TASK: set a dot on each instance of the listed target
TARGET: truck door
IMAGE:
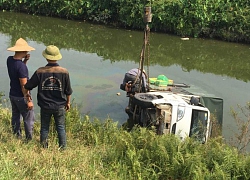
(199, 125)
(181, 120)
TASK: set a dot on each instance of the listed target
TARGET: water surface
(98, 56)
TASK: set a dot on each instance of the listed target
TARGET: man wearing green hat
(53, 95)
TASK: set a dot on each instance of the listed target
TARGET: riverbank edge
(103, 150)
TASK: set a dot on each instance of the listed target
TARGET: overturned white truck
(176, 111)
(168, 109)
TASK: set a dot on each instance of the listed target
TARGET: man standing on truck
(132, 84)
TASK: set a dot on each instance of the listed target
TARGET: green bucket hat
(52, 53)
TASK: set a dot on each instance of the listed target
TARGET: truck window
(198, 127)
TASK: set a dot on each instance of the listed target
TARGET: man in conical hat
(18, 74)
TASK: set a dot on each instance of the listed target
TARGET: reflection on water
(97, 58)
(103, 86)
(89, 86)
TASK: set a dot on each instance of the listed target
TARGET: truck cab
(169, 112)
(179, 116)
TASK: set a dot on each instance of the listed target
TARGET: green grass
(103, 150)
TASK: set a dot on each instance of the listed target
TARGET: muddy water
(98, 56)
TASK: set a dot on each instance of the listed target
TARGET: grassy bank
(102, 150)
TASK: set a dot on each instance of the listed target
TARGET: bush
(225, 20)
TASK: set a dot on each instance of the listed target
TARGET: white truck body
(173, 113)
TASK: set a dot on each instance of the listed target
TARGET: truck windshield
(198, 127)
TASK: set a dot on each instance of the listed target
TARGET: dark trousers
(19, 108)
(59, 117)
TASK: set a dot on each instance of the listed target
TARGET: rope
(148, 62)
(142, 57)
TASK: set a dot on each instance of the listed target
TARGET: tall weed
(241, 136)
(103, 150)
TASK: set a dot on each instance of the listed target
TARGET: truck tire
(144, 100)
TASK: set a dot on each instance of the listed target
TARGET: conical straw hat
(21, 45)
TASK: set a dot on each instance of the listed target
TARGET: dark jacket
(53, 86)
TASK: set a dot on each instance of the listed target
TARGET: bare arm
(67, 105)
(26, 93)
(26, 58)
(23, 81)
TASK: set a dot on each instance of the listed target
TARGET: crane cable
(145, 46)
(141, 64)
(147, 19)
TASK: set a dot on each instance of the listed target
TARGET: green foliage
(241, 136)
(113, 45)
(130, 13)
(226, 20)
(102, 150)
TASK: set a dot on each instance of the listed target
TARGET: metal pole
(147, 19)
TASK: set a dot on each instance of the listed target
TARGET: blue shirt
(16, 69)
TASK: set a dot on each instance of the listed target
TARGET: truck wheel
(144, 100)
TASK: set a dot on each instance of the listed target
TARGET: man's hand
(128, 87)
(67, 106)
(27, 95)
(26, 58)
(30, 105)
